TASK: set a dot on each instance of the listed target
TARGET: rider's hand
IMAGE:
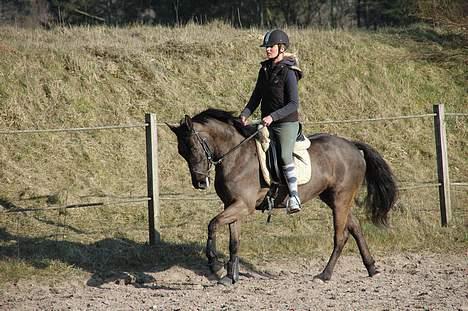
(267, 120)
(243, 120)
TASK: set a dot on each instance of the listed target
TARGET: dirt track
(407, 282)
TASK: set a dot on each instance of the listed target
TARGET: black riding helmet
(275, 37)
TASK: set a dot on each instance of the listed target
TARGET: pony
(215, 140)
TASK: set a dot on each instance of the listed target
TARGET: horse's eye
(183, 150)
(186, 148)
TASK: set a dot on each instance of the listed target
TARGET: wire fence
(142, 125)
(77, 205)
(210, 197)
(76, 129)
(372, 119)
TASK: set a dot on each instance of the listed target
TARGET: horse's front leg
(214, 264)
(232, 275)
(230, 215)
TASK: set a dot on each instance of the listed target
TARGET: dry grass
(76, 77)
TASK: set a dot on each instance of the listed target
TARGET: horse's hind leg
(341, 205)
(356, 232)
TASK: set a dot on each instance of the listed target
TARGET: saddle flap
(269, 166)
(276, 173)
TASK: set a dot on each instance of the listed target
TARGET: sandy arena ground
(407, 282)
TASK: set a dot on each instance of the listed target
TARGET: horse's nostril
(203, 184)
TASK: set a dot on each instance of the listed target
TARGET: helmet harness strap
(279, 51)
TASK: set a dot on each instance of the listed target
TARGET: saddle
(272, 173)
(268, 158)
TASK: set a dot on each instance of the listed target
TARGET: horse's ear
(173, 128)
(188, 122)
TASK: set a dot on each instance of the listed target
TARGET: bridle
(209, 154)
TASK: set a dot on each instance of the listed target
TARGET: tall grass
(92, 76)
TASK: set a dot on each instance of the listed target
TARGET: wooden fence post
(442, 164)
(153, 178)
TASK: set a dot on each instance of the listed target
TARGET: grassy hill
(87, 77)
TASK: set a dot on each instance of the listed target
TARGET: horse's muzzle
(202, 184)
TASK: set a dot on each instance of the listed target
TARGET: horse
(216, 140)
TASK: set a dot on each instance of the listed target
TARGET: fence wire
(417, 116)
(206, 197)
(77, 205)
(76, 129)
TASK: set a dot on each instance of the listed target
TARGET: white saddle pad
(302, 165)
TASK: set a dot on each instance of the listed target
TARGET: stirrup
(293, 205)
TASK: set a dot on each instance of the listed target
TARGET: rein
(212, 162)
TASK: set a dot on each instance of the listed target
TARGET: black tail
(382, 189)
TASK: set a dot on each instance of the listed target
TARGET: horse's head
(193, 147)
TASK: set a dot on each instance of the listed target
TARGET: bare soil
(407, 282)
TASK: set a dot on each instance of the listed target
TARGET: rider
(276, 89)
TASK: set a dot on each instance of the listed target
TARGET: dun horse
(214, 139)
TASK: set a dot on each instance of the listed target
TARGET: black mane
(225, 117)
(212, 113)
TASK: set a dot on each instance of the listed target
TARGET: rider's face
(272, 51)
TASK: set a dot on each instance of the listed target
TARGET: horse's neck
(225, 141)
(237, 168)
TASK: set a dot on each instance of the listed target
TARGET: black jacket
(276, 90)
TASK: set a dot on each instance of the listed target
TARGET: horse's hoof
(375, 273)
(217, 268)
(318, 280)
(372, 270)
(321, 278)
(226, 281)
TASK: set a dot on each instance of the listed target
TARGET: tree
(370, 14)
